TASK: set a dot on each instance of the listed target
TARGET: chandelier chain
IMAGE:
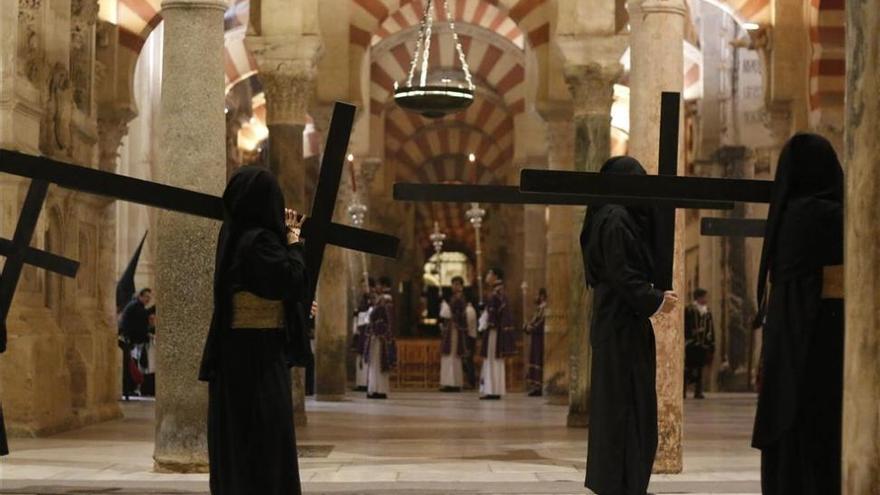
(458, 48)
(423, 77)
(415, 59)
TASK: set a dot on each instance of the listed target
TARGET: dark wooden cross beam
(666, 185)
(467, 193)
(319, 230)
(732, 227)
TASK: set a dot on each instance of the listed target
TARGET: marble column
(288, 91)
(332, 325)
(738, 162)
(288, 86)
(558, 262)
(192, 155)
(657, 31)
(861, 396)
(592, 90)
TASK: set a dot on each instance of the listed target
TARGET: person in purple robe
(535, 330)
(380, 351)
(498, 338)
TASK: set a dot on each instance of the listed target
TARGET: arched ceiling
(474, 12)
(531, 17)
(497, 66)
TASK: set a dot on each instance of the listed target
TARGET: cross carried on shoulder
(319, 229)
(666, 186)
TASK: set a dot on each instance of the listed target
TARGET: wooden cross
(666, 185)
(319, 229)
(614, 189)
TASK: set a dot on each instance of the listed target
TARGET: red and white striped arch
(529, 17)
(485, 129)
(828, 60)
(498, 69)
(474, 12)
(137, 19)
(756, 11)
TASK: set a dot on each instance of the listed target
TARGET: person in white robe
(453, 315)
(361, 324)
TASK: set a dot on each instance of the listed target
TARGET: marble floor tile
(413, 443)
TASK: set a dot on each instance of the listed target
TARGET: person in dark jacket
(798, 422)
(134, 331)
(257, 333)
(699, 341)
(619, 247)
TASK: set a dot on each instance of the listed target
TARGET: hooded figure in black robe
(618, 245)
(798, 423)
(257, 333)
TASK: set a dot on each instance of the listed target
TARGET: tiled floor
(414, 443)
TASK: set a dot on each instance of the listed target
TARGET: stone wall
(61, 368)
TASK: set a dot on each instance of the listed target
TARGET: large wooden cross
(319, 229)
(666, 186)
(555, 189)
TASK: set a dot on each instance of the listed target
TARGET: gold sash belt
(832, 282)
(252, 311)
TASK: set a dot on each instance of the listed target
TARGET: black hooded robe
(618, 262)
(799, 418)
(251, 439)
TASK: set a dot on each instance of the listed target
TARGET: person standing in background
(496, 324)
(361, 325)
(699, 341)
(470, 348)
(380, 351)
(535, 329)
(453, 338)
(134, 326)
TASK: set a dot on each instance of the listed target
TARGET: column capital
(287, 95)
(112, 127)
(592, 87)
(646, 7)
(288, 69)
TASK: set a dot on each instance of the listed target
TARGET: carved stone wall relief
(83, 16)
(31, 51)
(56, 136)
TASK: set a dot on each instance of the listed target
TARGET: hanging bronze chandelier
(437, 95)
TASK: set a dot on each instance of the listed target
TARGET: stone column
(861, 421)
(288, 83)
(332, 325)
(592, 89)
(558, 263)
(738, 162)
(657, 31)
(288, 91)
(193, 155)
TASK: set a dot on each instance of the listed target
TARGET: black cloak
(618, 245)
(251, 438)
(253, 207)
(798, 422)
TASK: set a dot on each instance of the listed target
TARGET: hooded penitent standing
(618, 246)
(257, 333)
(798, 423)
